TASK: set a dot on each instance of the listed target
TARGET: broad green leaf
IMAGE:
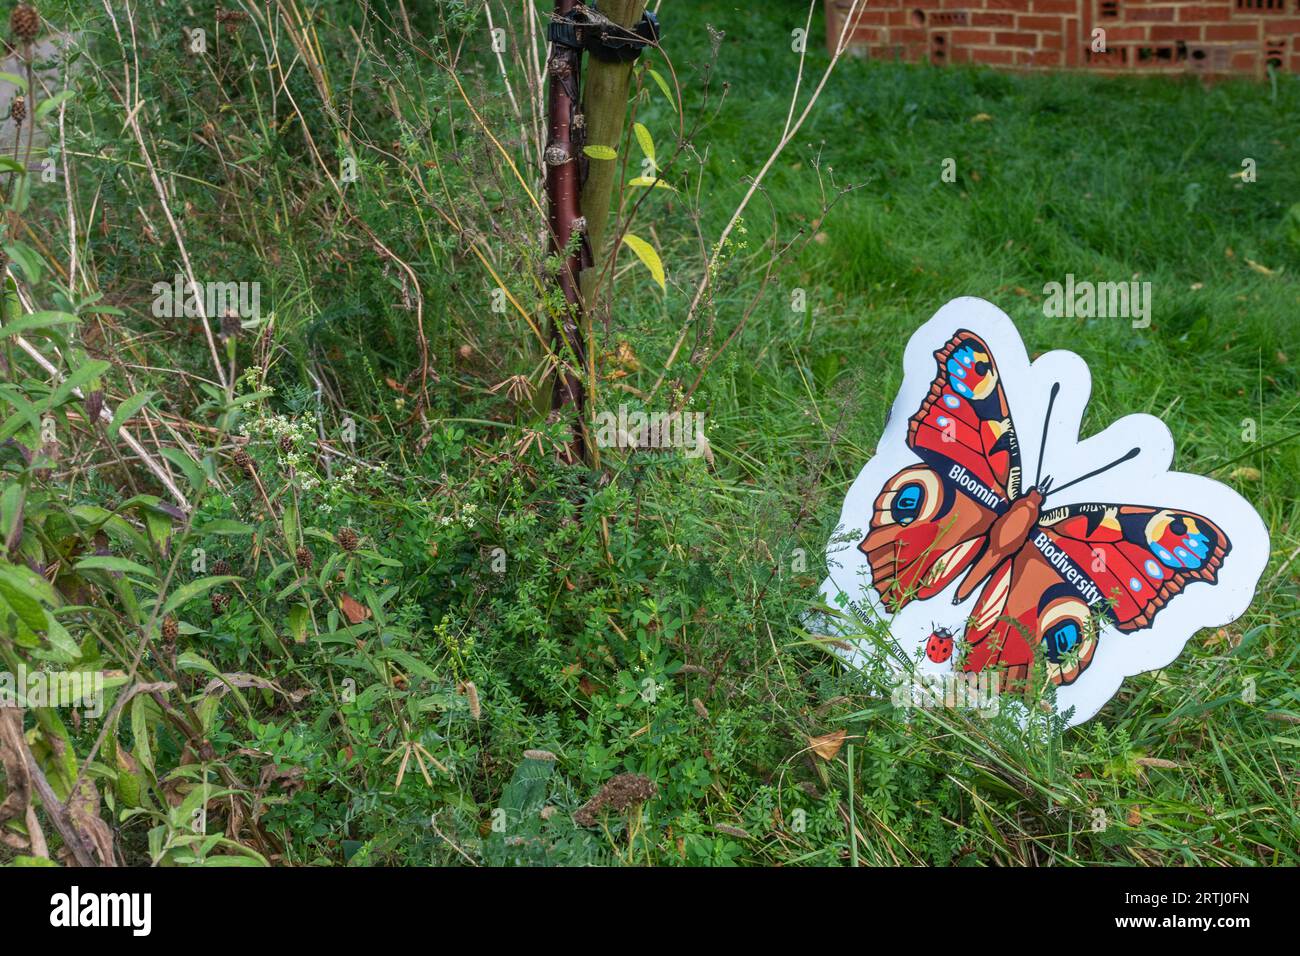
(80, 376)
(646, 253)
(97, 562)
(645, 141)
(37, 320)
(44, 106)
(600, 152)
(127, 409)
(193, 589)
(668, 94)
(649, 181)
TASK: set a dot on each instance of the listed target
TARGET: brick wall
(1210, 37)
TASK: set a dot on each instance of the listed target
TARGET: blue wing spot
(952, 401)
(1167, 559)
(1153, 570)
(1135, 585)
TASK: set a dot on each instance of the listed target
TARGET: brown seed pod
(170, 629)
(347, 539)
(303, 557)
(221, 566)
(18, 110)
(243, 461)
(286, 444)
(220, 602)
(24, 23)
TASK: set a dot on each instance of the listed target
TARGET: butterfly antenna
(1132, 453)
(1051, 400)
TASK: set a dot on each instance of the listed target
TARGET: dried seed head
(170, 629)
(243, 461)
(220, 602)
(221, 566)
(303, 557)
(286, 444)
(625, 790)
(24, 23)
(18, 110)
(347, 539)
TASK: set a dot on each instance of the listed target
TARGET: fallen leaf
(354, 611)
(1245, 472)
(981, 118)
(1261, 269)
(1135, 816)
(828, 745)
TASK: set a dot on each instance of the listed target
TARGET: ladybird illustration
(939, 647)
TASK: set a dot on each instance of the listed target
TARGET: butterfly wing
(1138, 557)
(924, 532)
(930, 519)
(965, 420)
(1084, 567)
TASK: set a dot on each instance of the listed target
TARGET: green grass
(650, 618)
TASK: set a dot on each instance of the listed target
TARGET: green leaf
(37, 320)
(98, 562)
(27, 259)
(645, 141)
(46, 105)
(193, 589)
(227, 526)
(646, 253)
(650, 181)
(126, 410)
(80, 376)
(600, 152)
(668, 94)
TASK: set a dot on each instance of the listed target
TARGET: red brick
(1149, 15)
(1056, 6)
(1015, 39)
(867, 35)
(910, 35)
(1047, 24)
(971, 37)
(1051, 41)
(1123, 34)
(981, 55)
(1045, 58)
(1232, 31)
(1022, 5)
(1181, 31)
(1198, 13)
(981, 19)
(1246, 62)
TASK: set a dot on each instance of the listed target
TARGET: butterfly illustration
(1065, 584)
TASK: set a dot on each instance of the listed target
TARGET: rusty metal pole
(564, 164)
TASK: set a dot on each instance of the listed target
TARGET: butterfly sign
(990, 538)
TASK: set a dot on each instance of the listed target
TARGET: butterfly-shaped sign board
(990, 537)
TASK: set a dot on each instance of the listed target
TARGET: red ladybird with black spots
(939, 647)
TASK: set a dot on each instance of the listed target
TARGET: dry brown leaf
(353, 610)
(828, 745)
(981, 118)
